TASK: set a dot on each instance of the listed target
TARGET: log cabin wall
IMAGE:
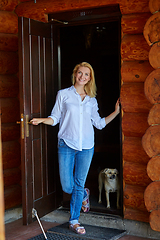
(135, 106)
(151, 139)
(9, 91)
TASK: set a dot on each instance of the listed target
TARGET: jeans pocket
(61, 143)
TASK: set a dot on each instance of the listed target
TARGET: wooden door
(37, 94)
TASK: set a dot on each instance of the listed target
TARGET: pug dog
(111, 182)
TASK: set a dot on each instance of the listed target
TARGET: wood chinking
(135, 68)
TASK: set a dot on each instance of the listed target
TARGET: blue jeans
(73, 169)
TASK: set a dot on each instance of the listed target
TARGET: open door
(37, 96)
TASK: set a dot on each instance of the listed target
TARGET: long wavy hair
(90, 88)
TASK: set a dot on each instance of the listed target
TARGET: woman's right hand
(36, 121)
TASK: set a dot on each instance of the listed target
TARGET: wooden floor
(17, 231)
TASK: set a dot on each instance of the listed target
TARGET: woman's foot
(77, 228)
(85, 203)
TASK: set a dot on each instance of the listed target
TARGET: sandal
(77, 228)
(86, 203)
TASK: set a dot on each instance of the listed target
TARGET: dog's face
(110, 173)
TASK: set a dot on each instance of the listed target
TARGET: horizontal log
(9, 86)
(8, 22)
(135, 71)
(8, 5)
(10, 131)
(151, 141)
(10, 110)
(9, 62)
(128, 7)
(154, 115)
(12, 196)
(11, 176)
(8, 42)
(154, 220)
(136, 215)
(11, 154)
(134, 124)
(134, 197)
(154, 6)
(134, 23)
(153, 168)
(152, 87)
(37, 11)
(133, 151)
(151, 29)
(154, 55)
(152, 196)
(133, 98)
(135, 174)
(134, 47)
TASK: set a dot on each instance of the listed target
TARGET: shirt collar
(74, 89)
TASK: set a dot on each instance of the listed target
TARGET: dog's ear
(116, 171)
(105, 170)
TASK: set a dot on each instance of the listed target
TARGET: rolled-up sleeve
(97, 121)
(57, 109)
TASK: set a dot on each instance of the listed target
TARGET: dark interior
(98, 44)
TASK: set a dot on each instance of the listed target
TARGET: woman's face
(82, 76)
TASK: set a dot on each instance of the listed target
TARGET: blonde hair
(90, 88)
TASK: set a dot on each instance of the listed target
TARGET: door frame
(87, 16)
(2, 227)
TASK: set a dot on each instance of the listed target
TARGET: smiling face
(82, 76)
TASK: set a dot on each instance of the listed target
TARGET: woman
(76, 111)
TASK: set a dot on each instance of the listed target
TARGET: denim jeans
(73, 169)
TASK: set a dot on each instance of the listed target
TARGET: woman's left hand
(117, 106)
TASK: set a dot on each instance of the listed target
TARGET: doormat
(62, 232)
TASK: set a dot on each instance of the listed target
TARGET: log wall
(135, 107)
(151, 138)
(9, 97)
(134, 70)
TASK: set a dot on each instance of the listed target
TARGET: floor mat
(62, 232)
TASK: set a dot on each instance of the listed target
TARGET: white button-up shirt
(76, 118)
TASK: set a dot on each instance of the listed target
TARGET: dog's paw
(99, 201)
(108, 207)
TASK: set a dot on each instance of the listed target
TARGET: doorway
(98, 44)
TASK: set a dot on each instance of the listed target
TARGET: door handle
(27, 122)
(27, 125)
(22, 125)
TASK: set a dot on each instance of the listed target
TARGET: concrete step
(134, 228)
(61, 215)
